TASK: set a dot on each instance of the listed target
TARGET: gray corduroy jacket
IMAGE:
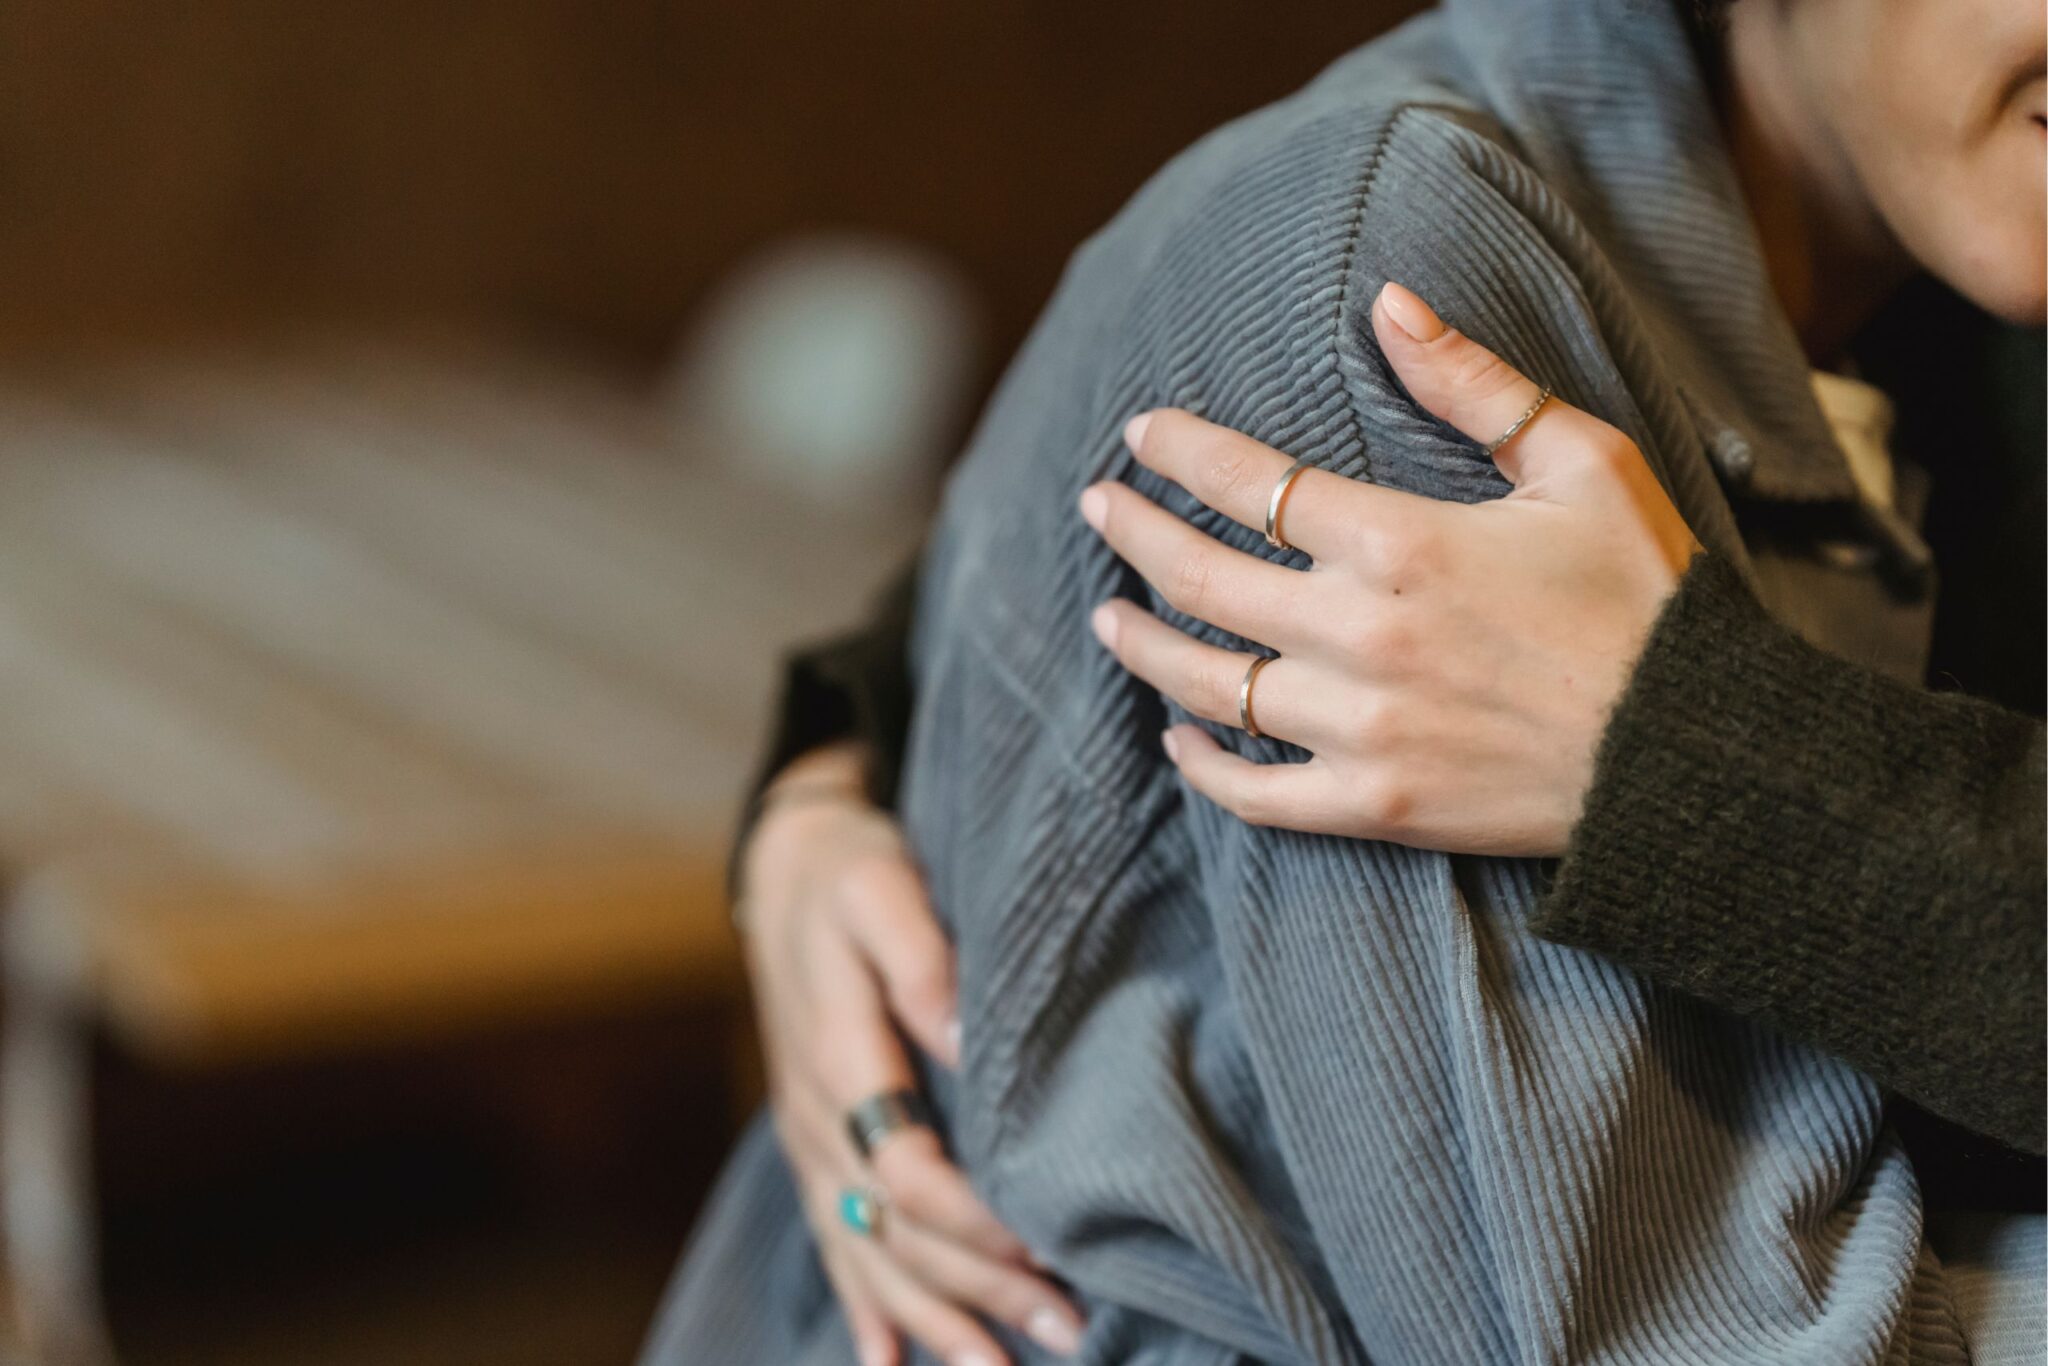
(1268, 1096)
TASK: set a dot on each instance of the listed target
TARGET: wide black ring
(875, 1118)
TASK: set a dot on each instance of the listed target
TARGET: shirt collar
(1608, 102)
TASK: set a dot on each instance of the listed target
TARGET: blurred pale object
(838, 366)
(289, 634)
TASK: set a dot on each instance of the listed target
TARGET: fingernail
(1054, 1331)
(1094, 506)
(873, 1354)
(1134, 431)
(970, 1358)
(1171, 743)
(953, 1038)
(1407, 312)
(1103, 622)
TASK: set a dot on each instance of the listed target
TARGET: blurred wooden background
(576, 174)
(589, 165)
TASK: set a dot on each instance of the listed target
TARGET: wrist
(834, 775)
(838, 769)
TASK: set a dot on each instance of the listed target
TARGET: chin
(2008, 279)
(2023, 305)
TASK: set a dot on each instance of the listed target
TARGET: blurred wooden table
(351, 693)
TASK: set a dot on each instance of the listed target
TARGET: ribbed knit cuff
(1800, 840)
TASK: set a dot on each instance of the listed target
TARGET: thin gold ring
(1275, 503)
(1514, 429)
(1245, 720)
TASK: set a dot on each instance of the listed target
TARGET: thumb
(1461, 381)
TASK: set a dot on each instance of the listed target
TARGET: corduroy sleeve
(1858, 862)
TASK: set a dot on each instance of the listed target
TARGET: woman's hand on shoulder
(1450, 668)
(846, 960)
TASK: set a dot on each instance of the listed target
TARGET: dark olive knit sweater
(1746, 775)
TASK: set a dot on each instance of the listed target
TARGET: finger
(820, 1179)
(946, 1332)
(889, 915)
(1000, 1291)
(923, 1186)
(850, 1050)
(874, 1340)
(1476, 391)
(1321, 513)
(1287, 796)
(910, 1165)
(1196, 573)
(1208, 681)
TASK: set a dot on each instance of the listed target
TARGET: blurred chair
(352, 695)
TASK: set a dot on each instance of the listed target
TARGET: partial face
(1939, 108)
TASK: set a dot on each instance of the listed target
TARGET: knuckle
(1404, 557)
(1209, 694)
(1188, 582)
(921, 985)
(1388, 807)
(1374, 726)
(1615, 453)
(912, 1193)
(865, 880)
(1225, 472)
(1478, 373)
(1253, 806)
(1377, 726)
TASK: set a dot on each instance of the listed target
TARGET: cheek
(1999, 225)
(1975, 216)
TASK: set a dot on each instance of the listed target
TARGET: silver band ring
(880, 1115)
(1515, 428)
(1245, 720)
(1278, 501)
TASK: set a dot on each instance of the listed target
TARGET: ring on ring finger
(1247, 718)
(861, 1208)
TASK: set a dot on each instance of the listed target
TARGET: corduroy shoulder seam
(1368, 176)
(1354, 229)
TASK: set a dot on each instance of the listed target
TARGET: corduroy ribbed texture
(1267, 1096)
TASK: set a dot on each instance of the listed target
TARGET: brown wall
(585, 163)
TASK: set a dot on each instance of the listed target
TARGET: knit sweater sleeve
(854, 686)
(1855, 861)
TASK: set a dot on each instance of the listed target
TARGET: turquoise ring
(860, 1209)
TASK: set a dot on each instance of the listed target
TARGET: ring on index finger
(880, 1115)
(1515, 427)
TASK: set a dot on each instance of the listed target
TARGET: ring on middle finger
(882, 1114)
(1276, 504)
